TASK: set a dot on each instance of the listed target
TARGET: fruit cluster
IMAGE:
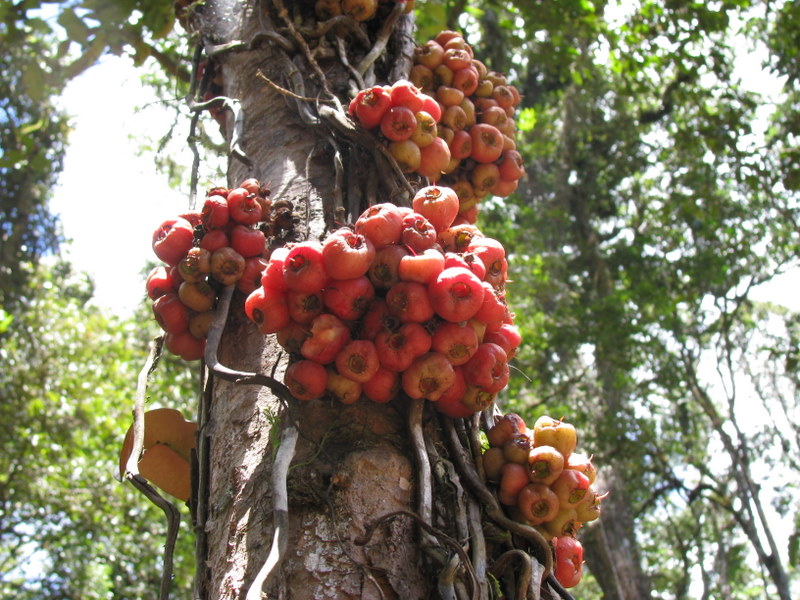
(407, 121)
(404, 300)
(203, 251)
(544, 483)
(477, 121)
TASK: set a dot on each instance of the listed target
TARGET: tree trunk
(352, 463)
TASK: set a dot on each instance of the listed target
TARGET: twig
(173, 524)
(132, 464)
(558, 588)
(280, 469)
(217, 368)
(423, 464)
(323, 81)
(383, 38)
(524, 574)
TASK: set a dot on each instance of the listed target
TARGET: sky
(110, 200)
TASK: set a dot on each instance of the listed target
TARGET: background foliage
(661, 190)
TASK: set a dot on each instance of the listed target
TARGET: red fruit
(185, 345)
(328, 335)
(383, 387)
(423, 268)
(571, 487)
(227, 265)
(429, 376)
(455, 118)
(407, 154)
(348, 299)
(488, 368)
(589, 510)
(304, 268)
(517, 448)
(215, 214)
(406, 94)
(429, 54)
(461, 145)
(506, 336)
(381, 224)
(537, 503)
(421, 76)
(374, 320)
(292, 336)
(426, 129)
(244, 207)
(409, 302)
(555, 432)
(513, 478)
(493, 309)
(432, 107)
(247, 241)
(493, 461)
(343, 389)
(456, 59)
(268, 308)
(195, 265)
(457, 342)
(273, 274)
(511, 165)
(251, 276)
(448, 95)
(545, 464)
(159, 282)
(582, 463)
(458, 238)
(198, 296)
(568, 566)
(477, 399)
(504, 187)
(170, 313)
(214, 240)
(504, 428)
(484, 177)
(200, 323)
(465, 79)
(172, 240)
(398, 123)
(371, 105)
(418, 233)
(467, 260)
(306, 379)
(456, 294)
(438, 204)
(358, 361)
(347, 254)
(304, 307)
(384, 272)
(398, 349)
(487, 142)
(451, 402)
(493, 256)
(434, 159)
(503, 96)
